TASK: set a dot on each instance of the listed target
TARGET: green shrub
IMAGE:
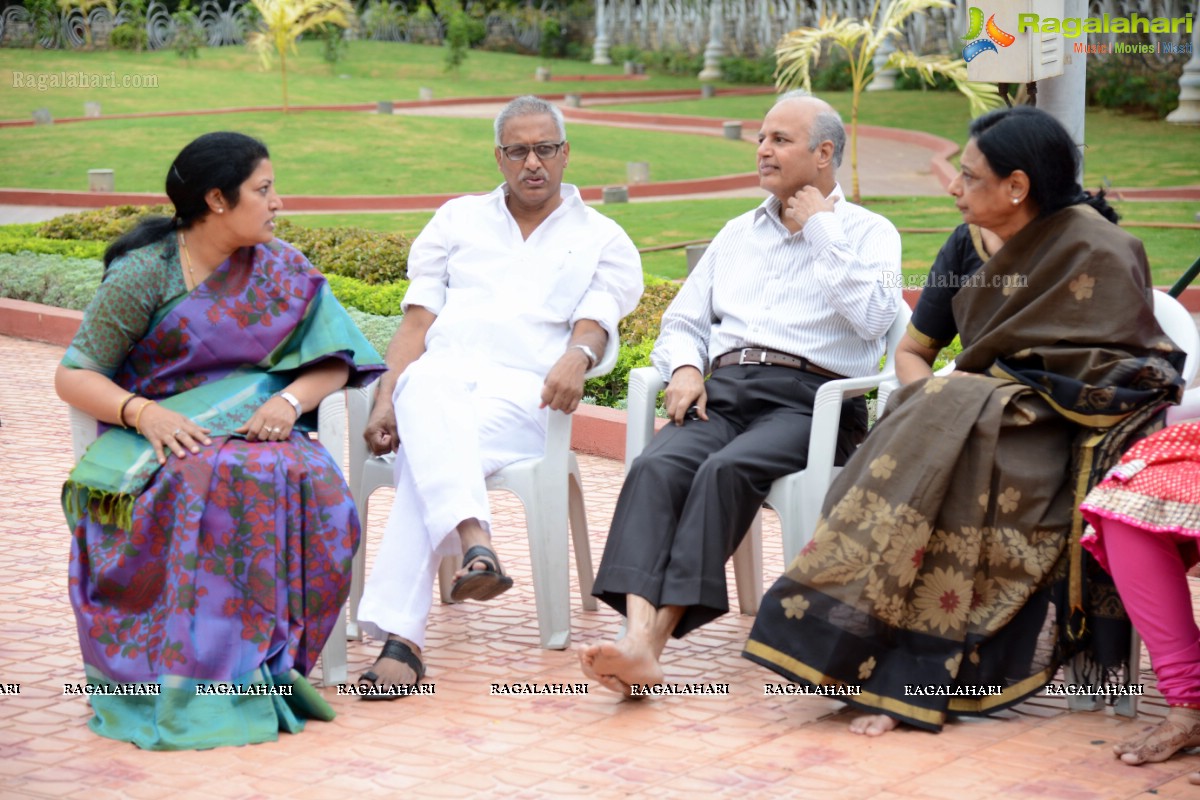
(50, 280)
(334, 44)
(611, 390)
(834, 73)
(99, 225)
(382, 300)
(22, 242)
(458, 33)
(740, 69)
(551, 43)
(911, 81)
(189, 32)
(642, 324)
(128, 37)
(376, 258)
(1129, 82)
(371, 257)
(378, 330)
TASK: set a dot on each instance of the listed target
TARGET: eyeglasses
(543, 150)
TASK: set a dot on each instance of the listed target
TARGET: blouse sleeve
(137, 285)
(932, 323)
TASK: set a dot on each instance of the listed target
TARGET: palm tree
(800, 50)
(283, 22)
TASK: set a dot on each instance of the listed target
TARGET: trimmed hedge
(27, 241)
(378, 330)
(100, 224)
(49, 279)
(644, 321)
(375, 258)
(381, 301)
(371, 257)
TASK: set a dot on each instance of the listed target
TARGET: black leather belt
(757, 356)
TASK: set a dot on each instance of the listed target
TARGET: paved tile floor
(463, 742)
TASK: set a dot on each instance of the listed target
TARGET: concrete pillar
(425, 93)
(714, 49)
(884, 80)
(615, 194)
(384, 107)
(733, 130)
(601, 44)
(101, 180)
(91, 109)
(637, 171)
(1188, 112)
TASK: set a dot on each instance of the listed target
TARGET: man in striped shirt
(797, 292)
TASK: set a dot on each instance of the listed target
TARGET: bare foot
(1180, 729)
(587, 662)
(620, 665)
(1132, 743)
(873, 724)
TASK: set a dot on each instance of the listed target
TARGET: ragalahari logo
(976, 46)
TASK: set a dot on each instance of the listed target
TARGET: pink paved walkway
(463, 742)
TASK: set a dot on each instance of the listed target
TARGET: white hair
(827, 126)
(525, 105)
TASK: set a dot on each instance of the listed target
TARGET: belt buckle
(762, 356)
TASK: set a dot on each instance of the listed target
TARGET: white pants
(458, 424)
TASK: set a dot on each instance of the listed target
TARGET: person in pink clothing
(1145, 530)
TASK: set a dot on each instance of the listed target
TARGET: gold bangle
(137, 421)
(121, 410)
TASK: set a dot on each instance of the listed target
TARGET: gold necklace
(187, 260)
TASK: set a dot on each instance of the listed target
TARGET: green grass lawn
(340, 153)
(1116, 144)
(1170, 251)
(229, 77)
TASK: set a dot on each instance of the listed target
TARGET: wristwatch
(587, 351)
(291, 398)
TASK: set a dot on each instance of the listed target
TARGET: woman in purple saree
(212, 536)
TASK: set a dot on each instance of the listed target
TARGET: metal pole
(1064, 97)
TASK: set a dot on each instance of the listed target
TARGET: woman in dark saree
(212, 536)
(945, 575)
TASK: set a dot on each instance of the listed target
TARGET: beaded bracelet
(137, 421)
(121, 410)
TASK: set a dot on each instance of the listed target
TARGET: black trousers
(689, 498)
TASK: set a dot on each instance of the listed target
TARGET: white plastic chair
(796, 498)
(331, 433)
(1176, 321)
(550, 489)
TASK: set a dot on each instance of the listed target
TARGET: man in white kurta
(513, 297)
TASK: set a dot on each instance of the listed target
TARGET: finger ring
(176, 432)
